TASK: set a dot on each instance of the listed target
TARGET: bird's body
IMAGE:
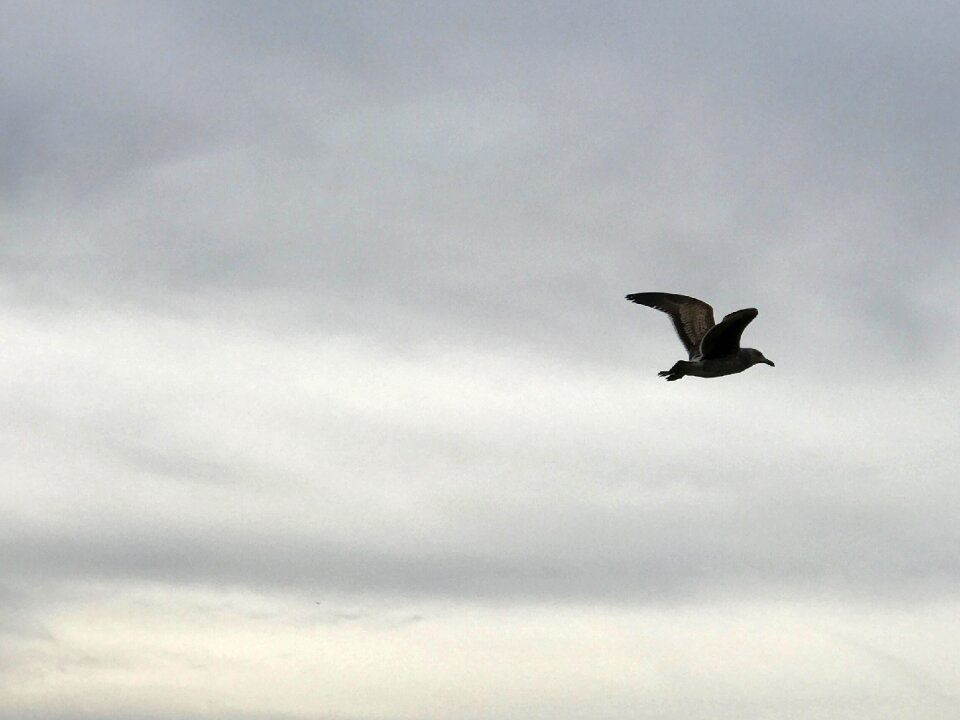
(714, 348)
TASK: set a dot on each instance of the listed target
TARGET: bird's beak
(769, 362)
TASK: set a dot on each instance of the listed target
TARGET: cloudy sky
(321, 398)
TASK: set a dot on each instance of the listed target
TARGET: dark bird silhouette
(714, 349)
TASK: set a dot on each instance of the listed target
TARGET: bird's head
(755, 357)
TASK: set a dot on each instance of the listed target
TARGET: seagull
(714, 349)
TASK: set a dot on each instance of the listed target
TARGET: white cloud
(223, 653)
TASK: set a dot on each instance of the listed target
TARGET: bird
(714, 348)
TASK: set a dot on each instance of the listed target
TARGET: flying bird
(714, 349)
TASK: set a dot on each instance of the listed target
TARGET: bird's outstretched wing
(724, 337)
(692, 318)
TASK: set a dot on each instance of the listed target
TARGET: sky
(322, 400)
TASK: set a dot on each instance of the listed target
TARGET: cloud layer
(316, 363)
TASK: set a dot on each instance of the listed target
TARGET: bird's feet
(670, 375)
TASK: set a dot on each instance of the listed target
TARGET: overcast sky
(321, 398)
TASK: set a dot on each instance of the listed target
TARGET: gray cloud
(456, 168)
